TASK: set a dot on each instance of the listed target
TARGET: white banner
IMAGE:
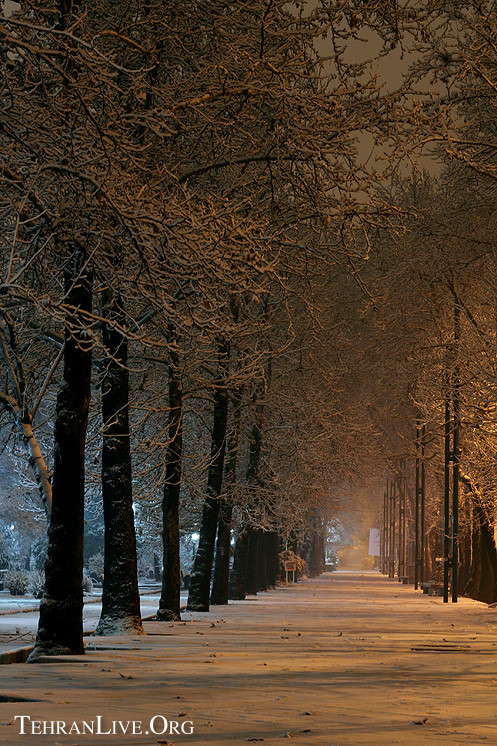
(374, 542)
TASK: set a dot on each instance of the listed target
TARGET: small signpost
(290, 566)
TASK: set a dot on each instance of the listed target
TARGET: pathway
(347, 658)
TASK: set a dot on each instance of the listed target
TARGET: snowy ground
(19, 616)
(343, 659)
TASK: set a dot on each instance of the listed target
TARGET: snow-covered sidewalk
(347, 658)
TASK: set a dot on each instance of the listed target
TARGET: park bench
(432, 588)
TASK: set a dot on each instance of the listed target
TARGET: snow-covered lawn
(18, 623)
(342, 659)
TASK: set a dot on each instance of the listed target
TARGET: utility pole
(416, 509)
(452, 458)
(391, 569)
(404, 520)
(447, 428)
(422, 531)
(399, 539)
(384, 534)
(402, 515)
(456, 385)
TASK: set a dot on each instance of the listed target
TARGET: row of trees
(444, 296)
(210, 302)
(175, 187)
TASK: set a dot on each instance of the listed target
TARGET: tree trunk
(198, 596)
(120, 598)
(60, 626)
(262, 583)
(17, 406)
(315, 548)
(482, 583)
(313, 565)
(220, 581)
(252, 479)
(34, 454)
(465, 543)
(273, 565)
(252, 555)
(310, 556)
(238, 575)
(169, 604)
(322, 550)
(38, 465)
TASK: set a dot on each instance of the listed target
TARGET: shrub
(39, 553)
(288, 556)
(4, 552)
(36, 583)
(96, 564)
(17, 582)
(87, 584)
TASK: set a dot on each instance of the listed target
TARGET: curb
(15, 656)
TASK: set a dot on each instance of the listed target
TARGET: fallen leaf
(125, 677)
(419, 722)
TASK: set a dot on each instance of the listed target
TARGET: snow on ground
(18, 623)
(347, 658)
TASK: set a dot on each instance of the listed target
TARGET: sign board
(290, 566)
(374, 542)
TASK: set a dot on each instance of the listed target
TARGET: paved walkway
(347, 658)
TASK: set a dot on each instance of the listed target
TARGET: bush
(87, 585)
(39, 553)
(96, 564)
(4, 552)
(288, 556)
(17, 582)
(36, 583)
